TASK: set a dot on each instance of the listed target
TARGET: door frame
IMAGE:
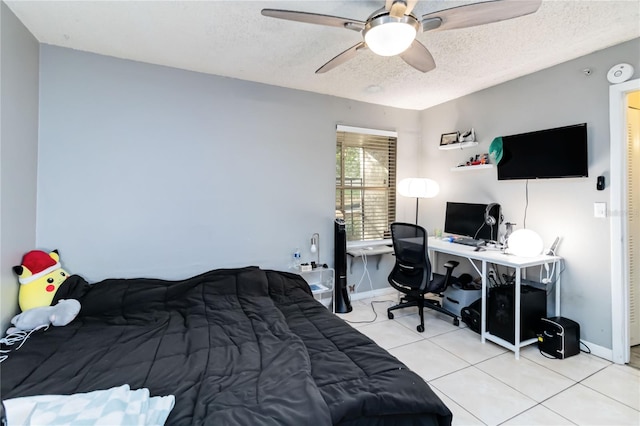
(617, 218)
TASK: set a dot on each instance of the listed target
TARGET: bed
(240, 346)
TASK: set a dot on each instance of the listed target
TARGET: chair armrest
(451, 264)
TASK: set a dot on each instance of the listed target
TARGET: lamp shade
(525, 243)
(418, 188)
(386, 35)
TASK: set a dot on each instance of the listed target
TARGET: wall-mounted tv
(545, 154)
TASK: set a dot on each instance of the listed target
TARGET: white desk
(374, 251)
(437, 245)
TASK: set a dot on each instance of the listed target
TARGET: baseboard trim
(373, 293)
(597, 350)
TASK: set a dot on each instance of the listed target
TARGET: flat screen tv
(545, 154)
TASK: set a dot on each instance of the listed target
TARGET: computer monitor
(469, 220)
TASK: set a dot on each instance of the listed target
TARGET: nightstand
(321, 281)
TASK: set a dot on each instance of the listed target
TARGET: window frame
(378, 228)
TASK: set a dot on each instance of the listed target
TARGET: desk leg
(516, 302)
(558, 266)
(483, 311)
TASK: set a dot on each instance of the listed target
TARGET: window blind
(366, 183)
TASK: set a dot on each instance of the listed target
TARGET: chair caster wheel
(420, 328)
(390, 315)
(456, 322)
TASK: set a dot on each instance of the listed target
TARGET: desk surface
(369, 251)
(489, 254)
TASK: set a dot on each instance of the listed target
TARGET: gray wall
(18, 153)
(153, 171)
(558, 96)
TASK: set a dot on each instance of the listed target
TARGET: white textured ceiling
(232, 39)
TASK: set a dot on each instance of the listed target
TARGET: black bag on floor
(471, 315)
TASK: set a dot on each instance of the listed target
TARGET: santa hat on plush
(38, 263)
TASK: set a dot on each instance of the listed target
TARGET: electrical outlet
(600, 210)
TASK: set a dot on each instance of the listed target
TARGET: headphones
(491, 220)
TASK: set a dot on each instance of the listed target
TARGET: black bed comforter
(236, 347)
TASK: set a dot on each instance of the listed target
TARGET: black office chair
(412, 275)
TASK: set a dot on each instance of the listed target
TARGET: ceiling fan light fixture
(389, 36)
(392, 29)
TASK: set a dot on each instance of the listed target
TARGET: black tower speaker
(340, 292)
(501, 312)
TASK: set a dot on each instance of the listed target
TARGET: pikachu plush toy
(40, 275)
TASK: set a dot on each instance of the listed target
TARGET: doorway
(624, 100)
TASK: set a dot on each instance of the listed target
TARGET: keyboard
(469, 241)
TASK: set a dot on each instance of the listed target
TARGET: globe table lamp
(525, 243)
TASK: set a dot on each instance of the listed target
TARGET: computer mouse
(479, 249)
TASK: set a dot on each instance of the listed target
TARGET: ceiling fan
(392, 29)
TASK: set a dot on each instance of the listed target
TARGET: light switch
(600, 210)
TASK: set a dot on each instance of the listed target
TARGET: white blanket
(115, 406)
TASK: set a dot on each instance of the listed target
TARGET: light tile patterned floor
(483, 384)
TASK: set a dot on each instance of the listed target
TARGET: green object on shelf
(495, 149)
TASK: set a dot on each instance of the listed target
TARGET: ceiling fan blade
(343, 57)
(481, 13)
(398, 8)
(418, 57)
(315, 18)
(410, 5)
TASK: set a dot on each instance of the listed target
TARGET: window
(366, 182)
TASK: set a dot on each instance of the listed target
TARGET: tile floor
(483, 384)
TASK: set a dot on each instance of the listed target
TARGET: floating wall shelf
(468, 168)
(458, 145)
